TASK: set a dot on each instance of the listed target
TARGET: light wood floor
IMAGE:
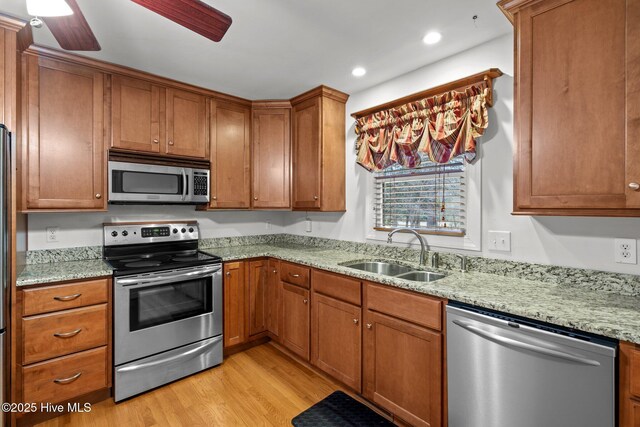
(258, 387)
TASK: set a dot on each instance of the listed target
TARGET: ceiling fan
(70, 28)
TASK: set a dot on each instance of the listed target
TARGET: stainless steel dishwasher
(506, 371)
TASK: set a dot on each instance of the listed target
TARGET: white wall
(85, 229)
(568, 241)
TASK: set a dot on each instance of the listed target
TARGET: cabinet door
(336, 335)
(570, 126)
(271, 164)
(307, 134)
(257, 297)
(65, 147)
(403, 369)
(136, 118)
(234, 304)
(295, 320)
(274, 297)
(186, 124)
(230, 155)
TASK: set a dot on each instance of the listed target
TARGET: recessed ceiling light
(48, 8)
(359, 72)
(432, 37)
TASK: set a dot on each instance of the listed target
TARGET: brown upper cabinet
(64, 157)
(577, 111)
(319, 150)
(153, 119)
(230, 155)
(271, 153)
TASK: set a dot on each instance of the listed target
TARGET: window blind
(429, 198)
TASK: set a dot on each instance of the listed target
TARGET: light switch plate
(625, 251)
(500, 241)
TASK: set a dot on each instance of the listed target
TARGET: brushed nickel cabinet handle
(304, 301)
(634, 186)
(67, 380)
(294, 275)
(369, 325)
(255, 198)
(315, 197)
(67, 334)
(155, 141)
(215, 198)
(355, 321)
(67, 297)
(228, 273)
(170, 142)
(275, 271)
(98, 196)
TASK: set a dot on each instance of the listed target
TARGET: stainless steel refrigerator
(5, 203)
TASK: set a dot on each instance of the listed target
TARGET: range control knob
(184, 230)
(114, 233)
(175, 230)
(190, 229)
(125, 233)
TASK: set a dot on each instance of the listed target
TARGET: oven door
(148, 183)
(156, 312)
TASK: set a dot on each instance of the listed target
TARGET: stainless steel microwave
(151, 183)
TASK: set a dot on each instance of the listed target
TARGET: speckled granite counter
(600, 312)
(33, 274)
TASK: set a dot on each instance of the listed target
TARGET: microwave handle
(184, 184)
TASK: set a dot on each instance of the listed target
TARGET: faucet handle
(463, 262)
(435, 260)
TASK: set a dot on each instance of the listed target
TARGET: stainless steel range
(167, 304)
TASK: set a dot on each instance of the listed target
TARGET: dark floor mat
(339, 409)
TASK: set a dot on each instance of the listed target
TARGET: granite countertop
(596, 311)
(34, 274)
(599, 312)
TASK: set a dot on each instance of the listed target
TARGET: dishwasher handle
(524, 345)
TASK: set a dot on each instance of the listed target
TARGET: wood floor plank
(258, 387)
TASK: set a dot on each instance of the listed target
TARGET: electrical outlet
(500, 241)
(308, 225)
(268, 224)
(52, 234)
(625, 251)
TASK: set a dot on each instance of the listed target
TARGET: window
(430, 198)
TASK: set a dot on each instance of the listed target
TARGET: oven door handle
(189, 354)
(159, 279)
(184, 183)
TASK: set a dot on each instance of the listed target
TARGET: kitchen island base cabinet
(295, 320)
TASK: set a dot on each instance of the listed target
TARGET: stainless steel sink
(420, 276)
(395, 270)
(386, 268)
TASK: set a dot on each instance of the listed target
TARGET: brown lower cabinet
(234, 290)
(257, 296)
(63, 351)
(629, 392)
(403, 360)
(274, 299)
(295, 319)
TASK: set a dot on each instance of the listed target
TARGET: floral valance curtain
(442, 126)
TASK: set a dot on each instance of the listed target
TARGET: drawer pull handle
(294, 275)
(634, 186)
(304, 301)
(67, 380)
(67, 298)
(369, 325)
(67, 334)
(355, 321)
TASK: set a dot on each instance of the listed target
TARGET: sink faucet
(463, 262)
(423, 243)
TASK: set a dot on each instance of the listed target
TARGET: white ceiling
(281, 48)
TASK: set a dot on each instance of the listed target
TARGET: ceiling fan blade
(73, 31)
(192, 14)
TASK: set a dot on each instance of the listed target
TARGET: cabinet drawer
(418, 309)
(336, 286)
(294, 274)
(63, 297)
(65, 332)
(66, 377)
